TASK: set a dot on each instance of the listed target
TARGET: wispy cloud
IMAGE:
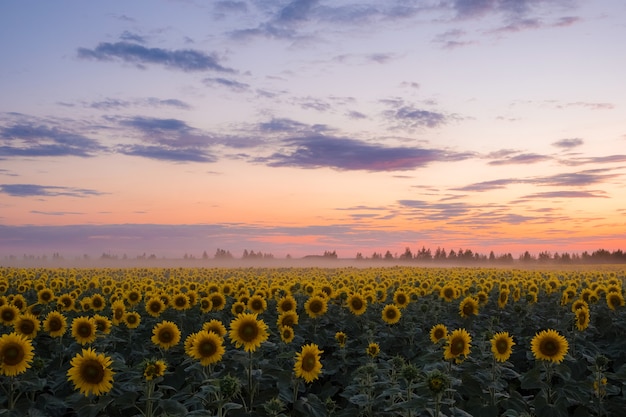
(404, 115)
(187, 60)
(30, 190)
(351, 154)
(168, 153)
(568, 143)
(28, 137)
(133, 37)
(113, 103)
(228, 83)
(568, 194)
(524, 158)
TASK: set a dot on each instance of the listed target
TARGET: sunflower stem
(250, 391)
(149, 392)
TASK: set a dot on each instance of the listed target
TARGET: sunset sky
(296, 127)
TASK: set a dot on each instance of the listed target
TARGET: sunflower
(133, 297)
(437, 381)
(288, 318)
(65, 302)
(458, 346)
(154, 369)
(614, 300)
(206, 305)
(16, 354)
(165, 334)
(118, 310)
(468, 307)
(315, 306)
(341, 339)
(45, 295)
(257, 304)
(218, 300)
(373, 349)
(84, 329)
(55, 324)
(98, 303)
(582, 318)
(287, 334)
(579, 303)
(180, 301)
(20, 302)
(448, 292)
(9, 314)
(207, 347)
(438, 332)
(286, 303)
(91, 372)
(103, 324)
(132, 319)
(215, 326)
(391, 314)
(357, 304)
(308, 365)
(154, 306)
(247, 331)
(401, 298)
(549, 345)
(501, 346)
(503, 298)
(27, 325)
(237, 308)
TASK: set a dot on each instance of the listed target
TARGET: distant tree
(492, 256)
(377, 256)
(359, 256)
(440, 254)
(329, 254)
(388, 255)
(407, 255)
(424, 254)
(205, 255)
(223, 254)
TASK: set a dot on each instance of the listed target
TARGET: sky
(295, 127)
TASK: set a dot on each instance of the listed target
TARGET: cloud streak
(187, 60)
(31, 190)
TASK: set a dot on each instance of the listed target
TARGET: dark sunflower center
(8, 315)
(457, 346)
(468, 309)
(502, 346)
(96, 302)
(205, 304)
(133, 296)
(101, 325)
(217, 302)
(248, 332)
(92, 371)
(155, 307)
(27, 327)
(287, 305)
(55, 324)
(549, 347)
(119, 313)
(439, 333)
(401, 299)
(257, 305)
(84, 330)
(166, 336)
(357, 304)
(316, 306)
(239, 309)
(391, 313)
(308, 362)
(448, 293)
(45, 296)
(12, 354)
(180, 301)
(207, 348)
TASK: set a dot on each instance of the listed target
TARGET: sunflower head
(287, 334)
(437, 381)
(84, 330)
(288, 318)
(391, 314)
(207, 347)
(9, 314)
(357, 304)
(438, 332)
(372, 350)
(286, 303)
(341, 339)
(614, 300)
(132, 319)
(165, 334)
(55, 324)
(247, 331)
(16, 354)
(215, 326)
(27, 325)
(458, 345)
(154, 369)
(549, 345)
(316, 306)
(91, 372)
(308, 365)
(502, 346)
(468, 307)
(154, 306)
(257, 304)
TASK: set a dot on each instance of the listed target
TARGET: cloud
(113, 103)
(609, 159)
(167, 153)
(230, 84)
(31, 138)
(568, 143)
(29, 190)
(568, 194)
(571, 179)
(187, 60)
(524, 158)
(350, 154)
(403, 115)
(129, 36)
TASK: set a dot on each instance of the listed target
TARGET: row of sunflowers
(394, 341)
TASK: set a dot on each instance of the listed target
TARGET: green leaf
(173, 407)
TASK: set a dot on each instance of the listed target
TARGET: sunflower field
(377, 341)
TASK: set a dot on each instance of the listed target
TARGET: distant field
(312, 341)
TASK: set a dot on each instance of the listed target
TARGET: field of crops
(395, 341)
